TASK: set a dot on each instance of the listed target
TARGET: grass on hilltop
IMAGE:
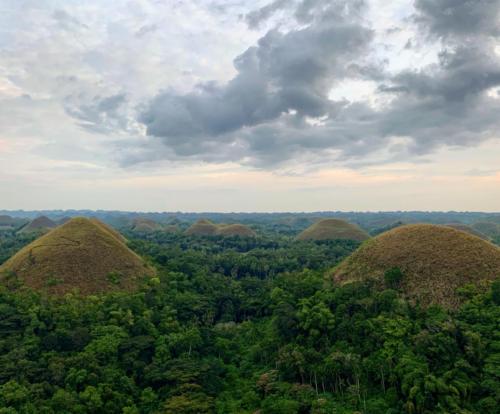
(82, 254)
(41, 223)
(468, 229)
(205, 227)
(434, 262)
(333, 229)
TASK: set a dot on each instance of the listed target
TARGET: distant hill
(434, 260)
(333, 229)
(230, 230)
(63, 220)
(202, 227)
(468, 229)
(40, 224)
(82, 254)
(205, 227)
(145, 225)
(11, 223)
(488, 228)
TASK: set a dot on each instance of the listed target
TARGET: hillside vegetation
(40, 224)
(434, 262)
(205, 227)
(83, 254)
(333, 229)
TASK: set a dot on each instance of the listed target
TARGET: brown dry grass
(240, 230)
(468, 229)
(435, 261)
(41, 223)
(333, 229)
(145, 225)
(205, 227)
(81, 254)
(202, 228)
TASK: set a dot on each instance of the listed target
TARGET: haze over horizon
(284, 105)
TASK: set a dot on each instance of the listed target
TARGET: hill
(488, 228)
(434, 261)
(145, 225)
(229, 230)
(202, 227)
(10, 223)
(109, 229)
(468, 229)
(333, 229)
(205, 227)
(39, 224)
(83, 254)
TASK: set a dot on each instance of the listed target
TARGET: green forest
(234, 325)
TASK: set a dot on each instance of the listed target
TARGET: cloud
(283, 80)
(256, 17)
(277, 110)
(459, 17)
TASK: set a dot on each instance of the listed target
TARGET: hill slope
(202, 228)
(82, 254)
(205, 227)
(145, 225)
(229, 230)
(434, 260)
(41, 223)
(333, 229)
(468, 229)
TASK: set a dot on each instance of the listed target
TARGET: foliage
(242, 326)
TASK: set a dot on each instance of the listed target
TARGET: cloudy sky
(233, 105)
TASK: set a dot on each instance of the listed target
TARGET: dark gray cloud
(256, 17)
(459, 17)
(285, 73)
(277, 108)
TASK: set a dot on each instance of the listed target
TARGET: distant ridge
(41, 223)
(434, 261)
(240, 230)
(202, 227)
(83, 254)
(205, 227)
(468, 229)
(145, 225)
(333, 229)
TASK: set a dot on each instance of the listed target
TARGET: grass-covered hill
(205, 227)
(427, 262)
(468, 229)
(145, 225)
(230, 230)
(202, 227)
(82, 254)
(333, 229)
(40, 224)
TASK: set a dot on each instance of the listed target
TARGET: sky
(233, 105)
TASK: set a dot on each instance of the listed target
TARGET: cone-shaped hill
(468, 229)
(205, 227)
(230, 230)
(145, 225)
(333, 229)
(202, 227)
(82, 254)
(39, 224)
(109, 229)
(434, 262)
